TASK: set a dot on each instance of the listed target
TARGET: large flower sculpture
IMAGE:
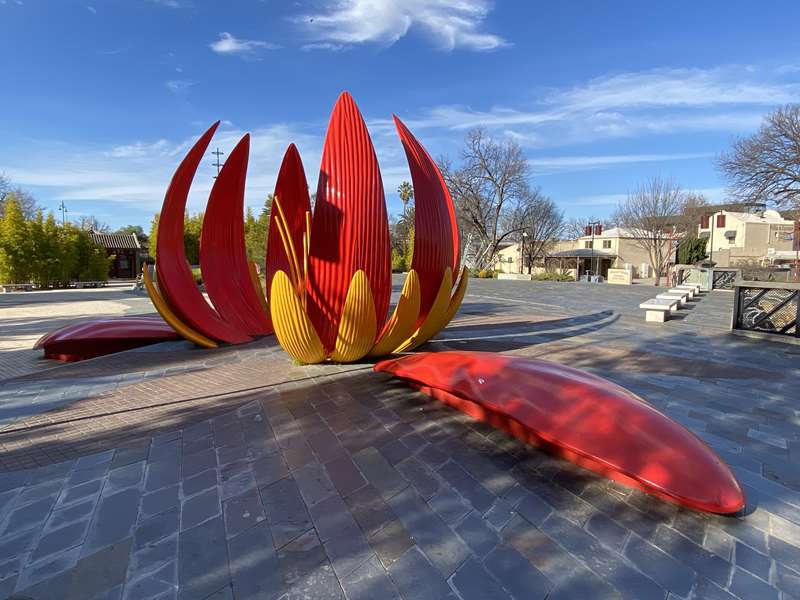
(328, 271)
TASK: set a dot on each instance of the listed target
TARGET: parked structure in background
(762, 238)
(614, 248)
(129, 254)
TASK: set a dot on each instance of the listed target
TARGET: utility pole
(217, 164)
(63, 208)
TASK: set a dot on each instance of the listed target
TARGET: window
(511, 259)
(587, 244)
(720, 220)
(606, 243)
(704, 221)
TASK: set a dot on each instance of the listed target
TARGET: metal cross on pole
(216, 163)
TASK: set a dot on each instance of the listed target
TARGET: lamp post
(522, 253)
(594, 227)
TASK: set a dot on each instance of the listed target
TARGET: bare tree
(649, 214)
(487, 189)
(765, 167)
(694, 207)
(91, 223)
(26, 200)
(542, 222)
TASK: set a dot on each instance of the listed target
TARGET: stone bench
(657, 310)
(682, 296)
(693, 289)
(16, 287)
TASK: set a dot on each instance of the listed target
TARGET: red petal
(98, 337)
(175, 279)
(223, 254)
(350, 229)
(436, 242)
(581, 417)
(291, 189)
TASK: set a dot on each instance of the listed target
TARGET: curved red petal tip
(436, 242)
(223, 254)
(581, 417)
(350, 228)
(175, 278)
(291, 189)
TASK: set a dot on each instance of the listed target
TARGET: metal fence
(767, 308)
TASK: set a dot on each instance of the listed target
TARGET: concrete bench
(679, 299)
(684, 295)
(16, 287)
(657, 310)
(692, 288)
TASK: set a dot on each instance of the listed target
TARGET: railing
(765, 307)
(718, 278)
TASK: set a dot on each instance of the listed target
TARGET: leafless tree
(542, 222)
(694, 207)
(649, 214)
(91, 223)
(765, 167)
(488, 189)
(26, 200)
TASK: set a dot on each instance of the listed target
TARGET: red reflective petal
(98, 337)
(223, 255)
(581, 417)
(350, 227)
(175, 279)
(291, 189)
(436, 242)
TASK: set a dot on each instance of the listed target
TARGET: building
(128, 253)
(741, 238)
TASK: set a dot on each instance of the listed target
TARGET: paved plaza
(176, 472)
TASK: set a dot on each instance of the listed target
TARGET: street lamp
(522, 253)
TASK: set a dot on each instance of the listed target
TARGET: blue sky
(101, 99)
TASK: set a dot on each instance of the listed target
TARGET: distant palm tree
(406, 192)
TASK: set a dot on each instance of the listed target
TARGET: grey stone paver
(343, 486)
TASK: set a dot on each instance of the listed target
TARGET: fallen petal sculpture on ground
(583, 418)
(97, 337)
(328, 271)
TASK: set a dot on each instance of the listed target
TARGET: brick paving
(239, 475)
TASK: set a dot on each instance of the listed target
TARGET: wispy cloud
(732, 99)
(545, 165)
(448, 24)
(231, 45)
(178, 86)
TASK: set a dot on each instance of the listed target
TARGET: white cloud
(546, 165)
(731, 99)
(449, 24)
(91, 9)
(228, 44)
(178, 86)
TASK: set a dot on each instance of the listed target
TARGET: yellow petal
(293, 328)
(181, 328)
(458, 296)
(401, 324)
(435, 320)
(358, 325)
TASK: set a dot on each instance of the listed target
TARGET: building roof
(116, 241)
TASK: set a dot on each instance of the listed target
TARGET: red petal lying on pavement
(583, 418)
(88, 339)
